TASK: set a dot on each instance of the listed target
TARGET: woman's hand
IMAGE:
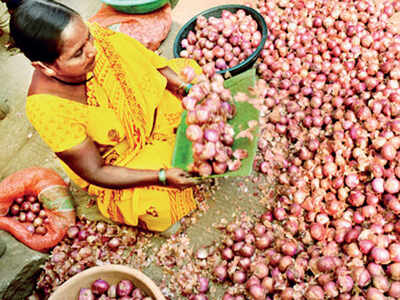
(174, 83)
(179, 179)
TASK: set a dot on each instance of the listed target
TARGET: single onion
(99, 287)
(124, 287)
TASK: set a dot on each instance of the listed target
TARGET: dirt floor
(22, 147)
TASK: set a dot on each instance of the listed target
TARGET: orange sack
(52, 192)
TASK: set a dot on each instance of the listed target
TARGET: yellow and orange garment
(125, 96)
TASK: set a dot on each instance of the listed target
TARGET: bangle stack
(162, 176)
(186, 87)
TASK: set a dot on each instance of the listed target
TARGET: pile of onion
(28, 209)
(85, 245)
(123, 290)
(209, 107)
(222, 42)
(330, 141)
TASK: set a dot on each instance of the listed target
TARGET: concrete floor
(22, 147)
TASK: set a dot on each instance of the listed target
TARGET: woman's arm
(85, 160)
(174, 83)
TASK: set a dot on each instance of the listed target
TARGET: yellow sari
(129, 110)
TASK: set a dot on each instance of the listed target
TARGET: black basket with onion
(217, 12)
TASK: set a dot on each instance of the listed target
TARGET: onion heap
(209, 108)
(222, 42)
(89, 244)
(102, 290)
(330, 91)
(29, 210)
(330, 99)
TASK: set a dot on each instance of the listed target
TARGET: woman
(108, 108)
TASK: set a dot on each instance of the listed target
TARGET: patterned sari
(132, 115)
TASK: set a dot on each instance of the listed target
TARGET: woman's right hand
(180, 179)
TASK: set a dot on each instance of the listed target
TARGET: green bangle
(162, 176)
(188, 87)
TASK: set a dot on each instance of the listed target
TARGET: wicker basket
(110, 273)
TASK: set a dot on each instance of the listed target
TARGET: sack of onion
(36, 207)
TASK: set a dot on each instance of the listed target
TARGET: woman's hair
(36, 27)
(13, 4)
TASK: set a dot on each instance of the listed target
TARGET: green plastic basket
(183, 157)
(136, 6)
(216, 12)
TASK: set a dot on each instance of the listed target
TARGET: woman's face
(77, 53)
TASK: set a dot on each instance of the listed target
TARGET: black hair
(13, 4)
(36, 27)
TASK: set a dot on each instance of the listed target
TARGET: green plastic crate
(136, 6)
(183, 157)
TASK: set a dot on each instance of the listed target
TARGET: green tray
(182, 156)
(135, 6)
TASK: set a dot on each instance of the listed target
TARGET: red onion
(72, 232)
(317, 231)
(203, 285)
(100, 286)
(394, 271)
(227, 253)
(314, 292)
(361, 276)
(394, 290)
(247, 250)
(366, 246)
(380, 255)
(124, 288)
(326, 264)
(352, 180)
(394, 250)
(239, 277)
(257, 292)
(374, 294)
(220, 272)
(392, 185)
(345, 283)
(114, 243)
(26, 206)
(331, 290)
(260, 270)
(381, 283)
